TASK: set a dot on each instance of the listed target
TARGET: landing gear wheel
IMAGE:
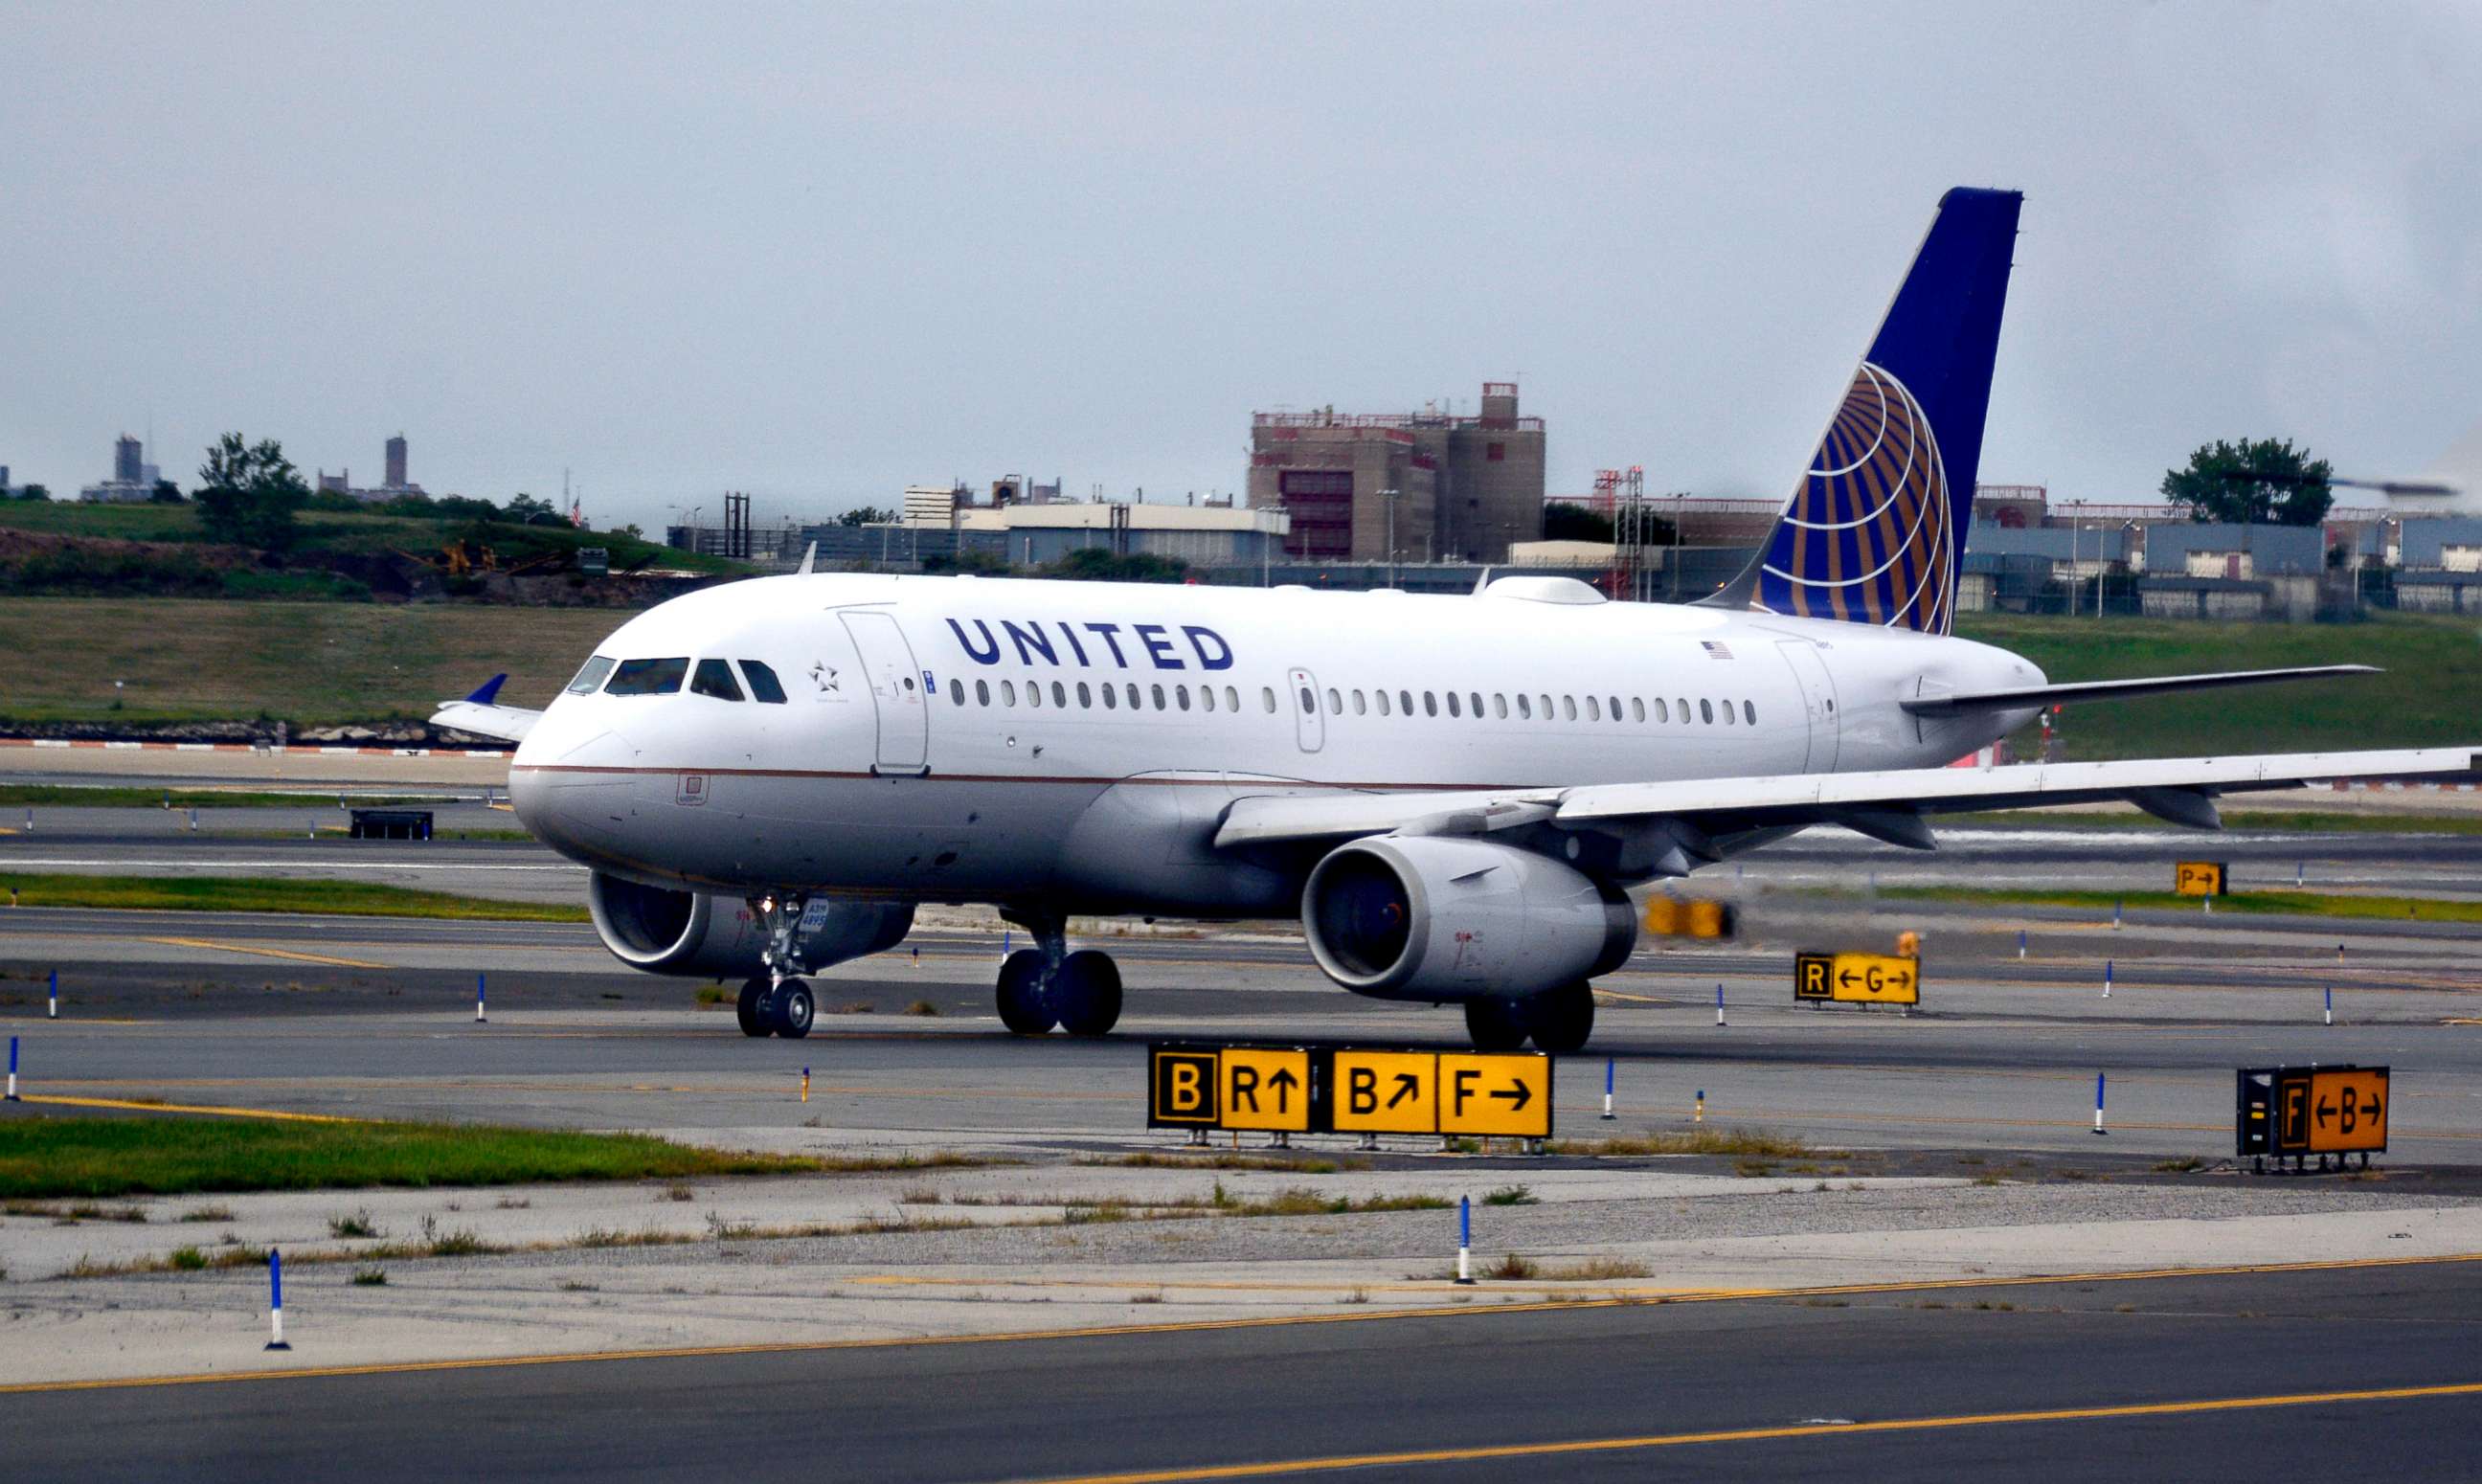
(792, 1010)
(1494, 1024)
(1087, 989)
(1563, 1018)
(1024, 1008)
(750, 1010)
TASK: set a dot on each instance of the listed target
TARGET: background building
(1464, 487)
(133, 478)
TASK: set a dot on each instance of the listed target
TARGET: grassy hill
(2431, 694)
(308, 663)
(314, 663)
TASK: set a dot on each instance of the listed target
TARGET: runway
(2363, 1370)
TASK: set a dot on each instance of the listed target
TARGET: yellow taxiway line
(263, 953)
(1563, 1304)
(188, 1107)
(1512, 1450)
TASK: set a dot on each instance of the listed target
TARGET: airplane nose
(573, 786)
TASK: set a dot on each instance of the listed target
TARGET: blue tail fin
(1875, 534)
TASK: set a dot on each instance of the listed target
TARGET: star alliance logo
(824, 675)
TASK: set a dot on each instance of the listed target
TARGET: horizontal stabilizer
(482, 715)
(2032, 697)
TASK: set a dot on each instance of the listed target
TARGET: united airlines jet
(1453, 794)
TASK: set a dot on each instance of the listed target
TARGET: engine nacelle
(1450, 917)
(695, 934)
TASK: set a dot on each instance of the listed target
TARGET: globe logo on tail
(1869, 537)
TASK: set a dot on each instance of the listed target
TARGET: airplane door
(896, 690)
(1309, 729)
(1818, 702)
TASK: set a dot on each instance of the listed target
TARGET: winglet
(810, 558)
(487, 693)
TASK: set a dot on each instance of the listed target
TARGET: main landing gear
(1046, 985)
(777, 1002)
(1558, 1020)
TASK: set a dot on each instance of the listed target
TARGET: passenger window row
(713, 678)
(1116, 696)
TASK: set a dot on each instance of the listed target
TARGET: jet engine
(1442, 917)
(692, 934)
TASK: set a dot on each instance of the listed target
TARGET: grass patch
(2180, 1166)
(1228, 1160)
(117, 796)
(2277, 821)
(2311, 904)
(43, 1157)
(922, 1007)
(355, 1223)
(207, 1213)
(1302, 1201)
(1739, 1143)
(1598, 1270)
(370, 1278)
(1512, 1195)
(2434, 669)
(267, 893)
(1513, 1267)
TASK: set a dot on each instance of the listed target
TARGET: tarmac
(1933, 1265)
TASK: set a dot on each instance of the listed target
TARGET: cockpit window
(591, 676)
(714, 677)
(763, 685)
(648, 676)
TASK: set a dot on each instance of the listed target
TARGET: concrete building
(2239, 552)
(133, 478)
(395, 463)
(1464, 486)
(396, 483)
(2442, 565)
(1202, 535)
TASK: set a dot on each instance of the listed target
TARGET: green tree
(523, 507)
(866, 515)
(1094, 564)
(33, 493)
(2252, 483)
(248, 493)
(1568, 520)
(166, 493)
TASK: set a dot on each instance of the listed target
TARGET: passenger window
(1499, 705)
(1159, 698)
(1637, 708)
(1267, 698)
(1548, 713)
(1569, 707)
(1615, 708)
(1749, 713)
(1475, 699)
(1233, 699)
(714, 677)
(1405, 701)
(589, 676)
(1206, 696)
(1310, 703)
(982, 693)
(1059, 695)
(1180, 693)
(1033, 693)
(763, 685)
(1335, 701)
(1452, 705)
(1684, 710)
(1706, 712)
(1008, 692)
(1524, 707)
(1136, 701)
(1111, 697)
(648, 676)
(1430, 703)
(1593, 710)
(1085, 696)
(1357, 707)
(1729, 717)
(1662, 711)
(1384, 708)
(956, 692)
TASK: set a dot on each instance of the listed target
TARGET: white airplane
(1454, 794)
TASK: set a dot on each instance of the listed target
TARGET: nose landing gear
(1046, 985)
(778, 1003)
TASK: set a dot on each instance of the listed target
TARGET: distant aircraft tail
(1875, 533)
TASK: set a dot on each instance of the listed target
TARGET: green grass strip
(267, 893)
(2287, 821)
(48, 1157)
(2308, 903)
(121, 796)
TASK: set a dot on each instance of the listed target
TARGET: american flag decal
(1715, 651)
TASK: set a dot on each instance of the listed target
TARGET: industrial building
(1425, 486)
(396, 483)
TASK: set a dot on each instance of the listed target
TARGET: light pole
(1389, 496)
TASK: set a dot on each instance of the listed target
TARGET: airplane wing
(480, 714)
(2029, 697)
(1888, 806)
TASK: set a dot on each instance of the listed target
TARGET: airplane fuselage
(1076, 744)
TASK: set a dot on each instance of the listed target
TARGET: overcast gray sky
(819, 251)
